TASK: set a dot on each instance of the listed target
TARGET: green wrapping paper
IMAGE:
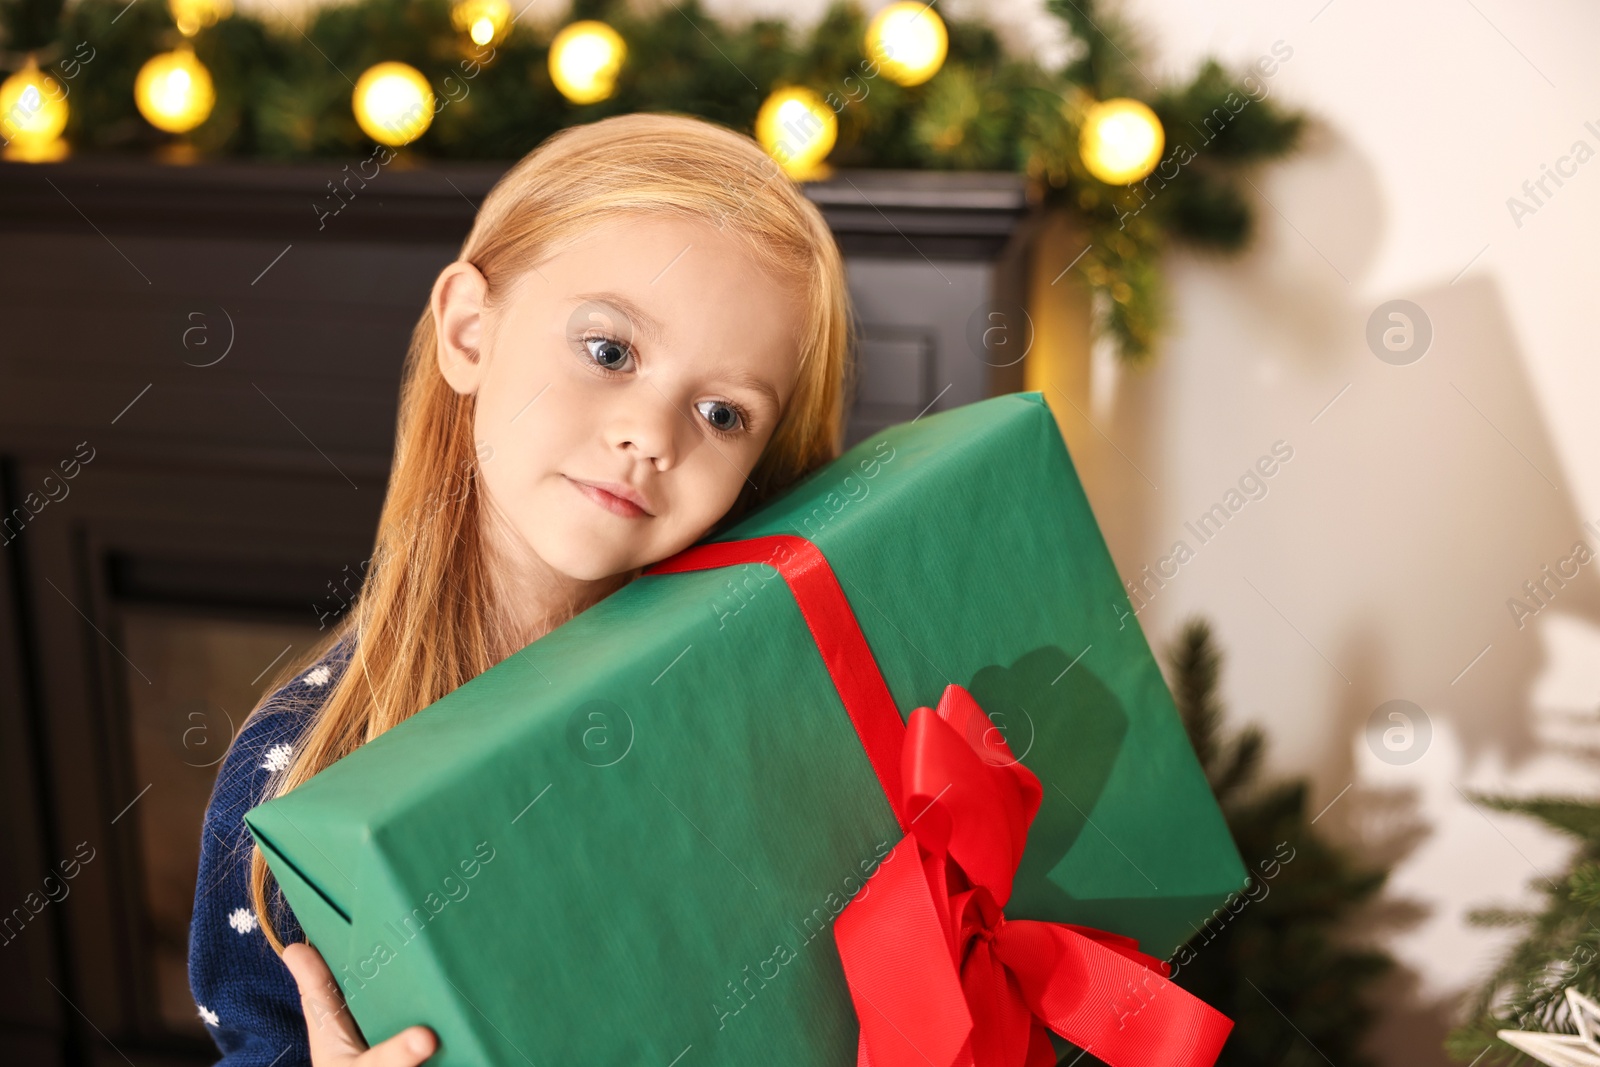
(627, 843)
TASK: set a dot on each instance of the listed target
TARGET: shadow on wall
(1413, 547)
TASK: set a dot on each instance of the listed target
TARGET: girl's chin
(580, 560)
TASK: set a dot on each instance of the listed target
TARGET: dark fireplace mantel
(957, 214)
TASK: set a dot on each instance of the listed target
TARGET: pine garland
(284, 93)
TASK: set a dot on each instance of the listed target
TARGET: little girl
(645, 334)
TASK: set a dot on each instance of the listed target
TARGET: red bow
(941, 977)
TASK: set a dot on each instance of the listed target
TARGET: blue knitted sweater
(245, 994)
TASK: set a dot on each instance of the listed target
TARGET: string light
(192, 16)
(33, 112)
(174, 91)
(393, 103)
(584, 60)
(1121, 141)
(484, 21)
(909, 41)
(798, 129)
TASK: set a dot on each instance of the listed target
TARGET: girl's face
(625, 389)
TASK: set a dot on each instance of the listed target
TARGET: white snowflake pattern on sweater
(243, 920)
(319, 676)
(277, 758)
(208, 1015)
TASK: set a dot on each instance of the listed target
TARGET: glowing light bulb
(484, 21)
(174, 91)
(393, 103)
(1121, 141)
(192, 16)
(798, 129)
(584, 60)
(33, 112)
(909, 41)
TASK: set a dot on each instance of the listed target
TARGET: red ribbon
(939, 976)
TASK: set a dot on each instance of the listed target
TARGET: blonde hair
(422, 624)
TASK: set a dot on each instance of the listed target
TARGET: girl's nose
(648, 425)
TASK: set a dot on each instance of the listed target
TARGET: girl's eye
(723, 417)
(608, 353)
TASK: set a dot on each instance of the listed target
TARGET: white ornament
(1563, 1050)
(243, 920)
(277, 758)
(208, 1015)
(319, 676)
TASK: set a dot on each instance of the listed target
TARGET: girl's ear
(458, 307)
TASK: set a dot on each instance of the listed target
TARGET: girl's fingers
(333, 1034)
(335, 1038)
(406, 1049)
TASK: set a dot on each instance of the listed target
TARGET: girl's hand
(335, 1039)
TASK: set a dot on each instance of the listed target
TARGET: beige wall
(1379, 563)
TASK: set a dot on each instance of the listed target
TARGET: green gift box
(628, 842)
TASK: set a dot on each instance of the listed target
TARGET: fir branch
(1584, 883)
(1560, 946)
(1110, 63)
(1286, 955)
(1571, 815)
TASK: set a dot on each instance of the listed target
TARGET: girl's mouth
(607, 495)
